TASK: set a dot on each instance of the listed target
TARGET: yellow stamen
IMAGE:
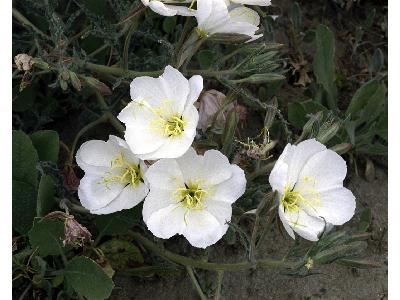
(129, 174)
(191, 196)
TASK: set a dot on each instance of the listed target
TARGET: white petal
(253, 2)
(164, 174)
(230, 190)
(176, 88)
(222, 211)
(167, 222)
(96, 156)
(216, 167)
(124, 149)
(173, 147)
(93, 194)
(162, 9)
(306, 226)
(155, 200)
(202, 229)
(190, 164)
(211, 14)
(326, 170)
(336, 206)
(183, 11)
(244, 15)
(285, 222)
(196, 86)
(148, 89)
(279, 174)
(301, 154)
(128, 198)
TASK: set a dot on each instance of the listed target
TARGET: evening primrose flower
(114, 177)
(308, 179)
(164, 7)
(192, 196)
(215, 16)
(161, 120)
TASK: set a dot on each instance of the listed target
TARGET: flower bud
(342, 148)
(212, 112)
(98, 85)
(327, 132)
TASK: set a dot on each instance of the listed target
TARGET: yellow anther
(191, 196)
(123, 172)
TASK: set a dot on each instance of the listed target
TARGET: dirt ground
(333, 282)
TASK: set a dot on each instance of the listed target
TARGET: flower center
(191, 196)
(174, 126)
(291, 200)
(128, 173)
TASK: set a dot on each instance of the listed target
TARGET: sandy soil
(333, 282)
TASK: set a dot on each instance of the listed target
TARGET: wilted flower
(210, 103)
(215, 16)
(75, 234)
(23, 61)
(114, 176)
(161, 120)
(164, 7)
(309, 181)
(192, 195)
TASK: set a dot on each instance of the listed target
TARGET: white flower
(161, 120)
(214, 16)
(250, 2)
(164, 7)
(309, 181)
(192, 196)
(114, 177)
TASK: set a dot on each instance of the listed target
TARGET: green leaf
(365, 220)
(45, 197)
(298, 111)
(88, 279)
(119, 222)
(121, 253)
(47, 145)
(324, 63)
(46, 235)
(371, 92)
(228, 135)
(24, 159)
(205, 58)
(24, 182)
(169, 24)
(23, 206)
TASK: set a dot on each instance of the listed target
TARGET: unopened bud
(212, 113)
(314, 118)
(342, 148)
(98, 85)
(260, 78)
(327, 132)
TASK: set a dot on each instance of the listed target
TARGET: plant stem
(24, 21)
(104, 118)
(120, 72)
(261, 171)
(220, 276)
(186, 261)
(26, 290)
(110, 117)
(195, 283)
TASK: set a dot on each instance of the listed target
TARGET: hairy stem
(25, 22)
(195, 283)
(263, 170)
(220, 276)
(186, 261)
